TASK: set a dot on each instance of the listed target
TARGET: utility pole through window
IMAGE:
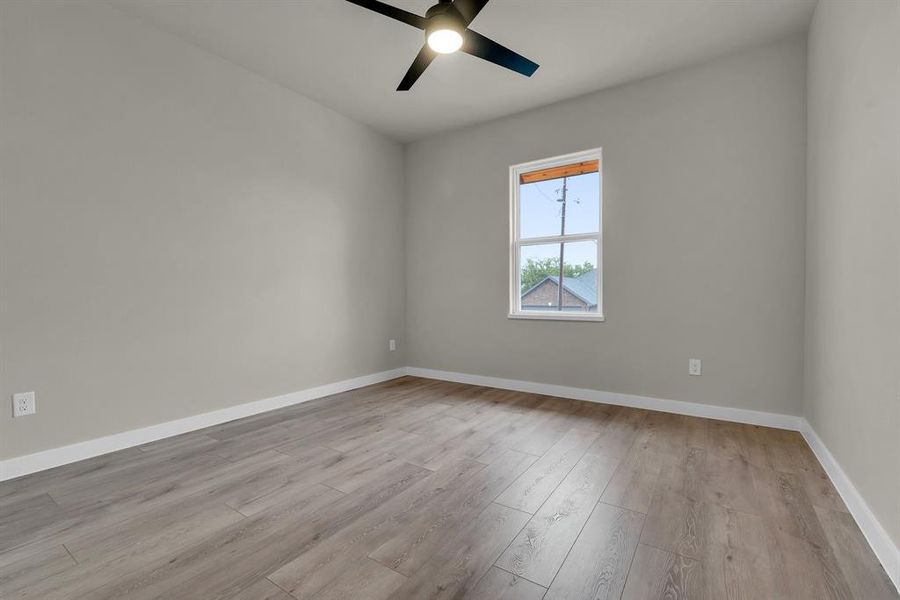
(562, 246)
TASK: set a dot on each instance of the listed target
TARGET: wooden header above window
(588, 166)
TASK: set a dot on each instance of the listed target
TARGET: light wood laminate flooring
(417, 488)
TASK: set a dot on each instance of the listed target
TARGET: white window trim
(515, 243)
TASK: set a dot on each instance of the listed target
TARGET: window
(556, 238)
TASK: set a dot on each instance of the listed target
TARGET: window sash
(555, 314)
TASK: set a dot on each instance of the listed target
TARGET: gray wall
(704, 193)
(852, 381)
(178, 235)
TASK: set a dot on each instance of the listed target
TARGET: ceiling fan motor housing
(444, 16)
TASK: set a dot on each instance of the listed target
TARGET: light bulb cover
(445, 41)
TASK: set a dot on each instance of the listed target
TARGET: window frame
(516, 243)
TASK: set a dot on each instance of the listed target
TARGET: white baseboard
(885, 549)
(694, 409)
(47, 459)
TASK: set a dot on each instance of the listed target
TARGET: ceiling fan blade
(469, 9)
(423, 59)
(392, 12)
(477, 45)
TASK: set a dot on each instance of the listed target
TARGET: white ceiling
(351, 59)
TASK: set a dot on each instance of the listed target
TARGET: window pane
(539, 277)
(541, 206)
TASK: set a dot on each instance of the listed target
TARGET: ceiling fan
(446, 26)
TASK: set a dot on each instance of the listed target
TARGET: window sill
(555, 316)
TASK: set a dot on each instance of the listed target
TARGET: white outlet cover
(695, 366)
(24, 404)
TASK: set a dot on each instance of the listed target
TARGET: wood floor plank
(751, 441)
(171, 570)
(593, 416)
(686, 476)
(381, 438)
(740, 573)
(540, 549)
(491, 453)
(659, 575)
(820, 490)
(328, 464)
(423, 418)
(262, 474)
(637, 478)
(667, 434)
(472, 447)
(782, 500)
(599, 561)
(325, 561)
(81, 473)
(465, 558)
(363, 580)
(420, 472)
(551, 425)
(111, 506)
(513, 421)
(821, 578)
(20, 574)
(26, 513)
(788, 452)
(732, 546)
(109, 555)
(267, 438)
(194, 441)
(864, 576)
(725, 440)
(270, 485)
(155, 535)
(108, 481)
(728, 481)
(683, 526)
(497, 584)
(262, 589)
(365, 473)
(413, 546)
(114, 489)
(535, 485)
(239, 555)
(620, 433)
(477, 402)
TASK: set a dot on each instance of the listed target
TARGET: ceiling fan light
(445, 41)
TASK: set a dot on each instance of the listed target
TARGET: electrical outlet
(23, 404)
(695, 366)
(392, 345)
